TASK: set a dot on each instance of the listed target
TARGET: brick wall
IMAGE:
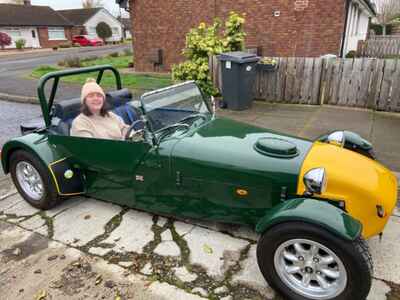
(281, 27)
(46, 43)
(78, 30)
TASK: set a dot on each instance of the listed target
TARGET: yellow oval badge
(241, 192)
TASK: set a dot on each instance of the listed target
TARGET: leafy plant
(351, 54)
(205, 41)
(103, 31)
(20, 44)
(5, 40)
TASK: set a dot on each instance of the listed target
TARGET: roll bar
(46, 105)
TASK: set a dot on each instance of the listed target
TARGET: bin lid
(239, 57)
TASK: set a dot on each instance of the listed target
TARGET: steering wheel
(165, 131)
(132, 128)
(194, 116)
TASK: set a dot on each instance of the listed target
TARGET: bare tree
(92, 3)
(387, 11)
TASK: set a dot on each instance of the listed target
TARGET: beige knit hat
(91, 87)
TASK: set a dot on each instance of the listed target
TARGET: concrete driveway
(86, 248)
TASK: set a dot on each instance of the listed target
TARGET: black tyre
(304, 261)
(33, 180)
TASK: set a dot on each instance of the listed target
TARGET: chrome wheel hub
(310, 269)
(29, 180)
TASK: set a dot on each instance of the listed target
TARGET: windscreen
(169, 106)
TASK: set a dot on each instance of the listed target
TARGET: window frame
(56, 29)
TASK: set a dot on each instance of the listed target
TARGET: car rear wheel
(304, 262)
(33, 180)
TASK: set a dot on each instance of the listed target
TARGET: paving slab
(167, 248)
(213, 250)
(9, 202)
(82, 223)
(133, 233)
(386, 253)
(379, 290)
(184, 275)
(6, 187)
(250, 275)
(33, 223)
(21, 208)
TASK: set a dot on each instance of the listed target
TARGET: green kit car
(313, 202)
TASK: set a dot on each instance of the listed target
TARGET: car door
(108, 165)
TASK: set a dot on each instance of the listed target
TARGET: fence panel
(362, 82)
(380, 47)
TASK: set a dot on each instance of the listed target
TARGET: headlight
(315, 180)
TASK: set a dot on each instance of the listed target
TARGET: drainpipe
(346, 21)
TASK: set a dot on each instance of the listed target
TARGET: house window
(115, 31)
(92, 31)
(34, 34)
(14, 32)
(56, 33)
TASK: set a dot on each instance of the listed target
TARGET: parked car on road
(313, 202)
(85, 40)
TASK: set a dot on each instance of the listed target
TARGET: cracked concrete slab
(9, 202)
(182, 228)
(33, 223)
(184, 275)
(167, 248)
(21, 208)
(386, 253)
(6, 187)
(84, 222)
(133, 233)
(379, 290)
(209, 249)
(250, 275)
(171, 292)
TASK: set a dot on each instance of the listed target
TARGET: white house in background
(359, 15)
(85, 21)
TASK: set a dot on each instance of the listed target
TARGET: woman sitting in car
(95, 121)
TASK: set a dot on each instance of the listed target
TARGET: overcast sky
(66, 4)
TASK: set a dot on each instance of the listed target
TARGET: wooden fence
(363, 82)
(379, 47)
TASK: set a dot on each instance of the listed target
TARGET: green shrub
(20, 44)
(114, 54)
(103, 31)
(351, 54)
(205, 41)
(73, 62)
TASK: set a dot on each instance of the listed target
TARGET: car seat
(67, 110)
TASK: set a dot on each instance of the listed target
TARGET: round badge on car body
(68, 174)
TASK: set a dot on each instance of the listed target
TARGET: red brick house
(39, 26)
(306, 28)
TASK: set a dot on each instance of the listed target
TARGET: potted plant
(267, 64)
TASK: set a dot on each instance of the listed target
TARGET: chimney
(27, 2)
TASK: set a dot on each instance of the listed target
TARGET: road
(19, 64)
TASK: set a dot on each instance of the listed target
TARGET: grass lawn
(130, 81)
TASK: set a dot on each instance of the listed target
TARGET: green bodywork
(196, 173)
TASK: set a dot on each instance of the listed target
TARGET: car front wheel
(32, 180)
(304, 261)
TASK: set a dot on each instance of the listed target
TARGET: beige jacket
(107, 127)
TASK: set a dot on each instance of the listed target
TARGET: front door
(108, 165)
